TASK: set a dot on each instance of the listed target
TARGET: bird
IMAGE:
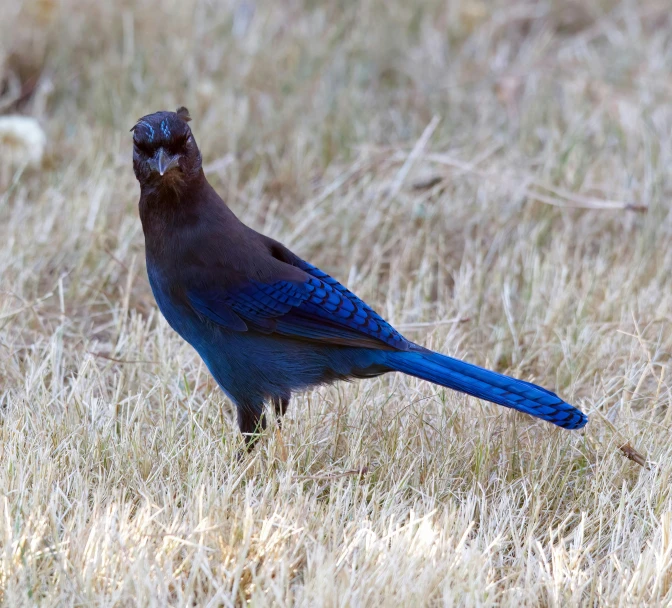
(265, 322)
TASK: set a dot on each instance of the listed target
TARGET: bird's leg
(252, 422)
(280, 405)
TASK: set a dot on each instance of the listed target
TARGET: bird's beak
(162, 162)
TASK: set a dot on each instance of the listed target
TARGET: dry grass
(526, 228)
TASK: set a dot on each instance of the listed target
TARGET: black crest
(183, 113)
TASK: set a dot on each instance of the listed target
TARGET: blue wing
(319, 309)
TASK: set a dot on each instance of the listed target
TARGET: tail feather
(491, 386)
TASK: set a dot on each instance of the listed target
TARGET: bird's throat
(166, 205)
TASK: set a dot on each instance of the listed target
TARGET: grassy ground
(494, 177)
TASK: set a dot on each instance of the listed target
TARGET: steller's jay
(265, 322)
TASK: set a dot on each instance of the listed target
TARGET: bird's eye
(143, 147)
(179, 144)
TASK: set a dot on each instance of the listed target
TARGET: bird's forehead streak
(164, 128)
(150, 129)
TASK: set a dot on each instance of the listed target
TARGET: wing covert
(319, 309)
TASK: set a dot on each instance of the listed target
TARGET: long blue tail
(491, 386)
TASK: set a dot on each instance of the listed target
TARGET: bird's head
(164, 151)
